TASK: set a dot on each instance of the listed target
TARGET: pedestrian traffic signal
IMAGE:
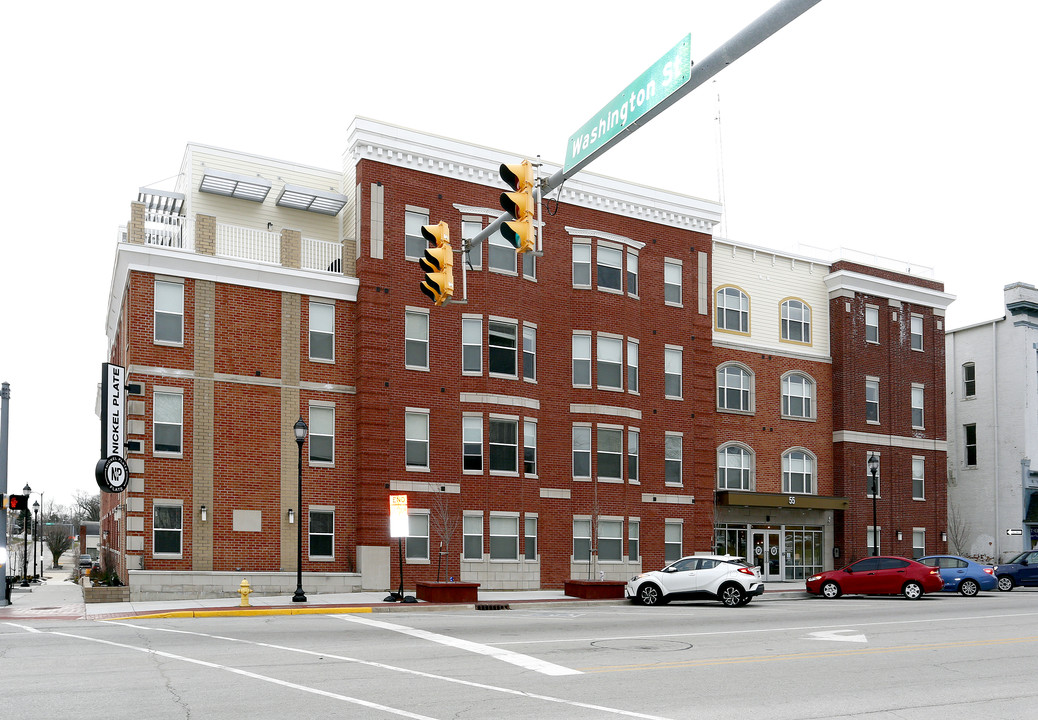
(18, 502)
(438, 264)
(520, 204)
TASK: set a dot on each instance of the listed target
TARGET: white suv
(719, 577)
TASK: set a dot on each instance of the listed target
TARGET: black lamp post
(25, 545)
(874, 471)
(35, 533)
(300, 430)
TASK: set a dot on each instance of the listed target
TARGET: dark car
(962, 575)
(1021, 570)
(85, 561)
(880, 575)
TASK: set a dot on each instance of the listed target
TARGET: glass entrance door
(767, 554)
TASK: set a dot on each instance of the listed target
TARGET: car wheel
(733, 596)
(1005, 583)
(912, 590)
(746, 599)
(830, 590)
(969, 588)
(649, 594)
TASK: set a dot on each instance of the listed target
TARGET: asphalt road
(848, 658)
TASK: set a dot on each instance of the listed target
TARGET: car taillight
(747, 571)
(989, 570)
(935, 571)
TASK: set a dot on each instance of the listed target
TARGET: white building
(992, 388)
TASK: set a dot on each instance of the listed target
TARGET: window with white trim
(581, 359)
(672, 372)
(672, 282)
(918, 542)
(798, 472)
(610, 453)
(472, 443)
(529, 447)
(610, 540)
(633, 439)
(632, 365)
(871, 324)
(734, 388)
(500, 254)
(322, 434)
(416, 544)
(529, 262)
(610, 362)
(414, 242)
(416, 340)
(472, 345)
(672, 459)
(632, 273)
(504, 445)
(167, 528)
(918, 478)
(873, 535)
(672, 541)
(610, 268)
(470, 229)
(416, 440)
(322, 331)
(734, 467)
(582, 540)
(581, 265)
(169, 313)
(530, 537)
(916, 332)
(472, 537)
(504, 536)
(502, 345)
(873, 486)
(917, 406)
(529, 353)
(582, 451)
(969, 380)
(321, 533)
(168, 422)
(872, 401)
(633, 531)
(798, 396)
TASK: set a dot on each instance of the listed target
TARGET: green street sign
(637, 100)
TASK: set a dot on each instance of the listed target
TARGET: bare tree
(959, 531)
(59, 539)
(86, 506)
(444, 525)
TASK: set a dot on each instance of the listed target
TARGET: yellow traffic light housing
(520, 204)
(438, 264)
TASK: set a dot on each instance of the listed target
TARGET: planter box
(106, 594)
(595, 589)
(444, 592)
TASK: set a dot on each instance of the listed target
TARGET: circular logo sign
(774, 551)
(112, 474)
(758, 550)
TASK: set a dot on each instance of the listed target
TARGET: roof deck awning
(161, 201)
(311, 200)
(244, 187)
(781, 500)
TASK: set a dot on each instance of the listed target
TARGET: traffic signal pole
(773, 20)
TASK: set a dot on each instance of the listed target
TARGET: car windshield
(1025, 555)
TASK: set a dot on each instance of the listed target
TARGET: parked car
(962, 574)
(1021, 570)
(727, 578)
(879, 575)
(85, 561)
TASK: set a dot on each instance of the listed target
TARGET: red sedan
(882, 575)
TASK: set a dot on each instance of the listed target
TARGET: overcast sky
(902, 128)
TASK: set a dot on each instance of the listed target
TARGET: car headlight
(814, 577)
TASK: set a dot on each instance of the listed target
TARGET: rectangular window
(322, 533)
(918, 542)
(322, 331)
(918, 478)
(581, 265)
(871, 324)
(529, 353)
(632, 365)
(169, 312)
(416, 340)
(472, 443)
(872, 538)
(917, 406)
(610, 362)
(414, 242)
(672, 372)
(971, 445)
(969, 380)
(610, 268)
(671, 541)
(633, 528)
(500, 254)
(632, 274)
(611, 540)
(168, 528)
(672, 282)
(469, 230)
(530, 447)
(472, 539)
(530, 538)
(872, 401)
(529, 261)
(322, 435)
(632, 455)
(582, 540)
(581, 360)
(917, 332)
(416, 545)
(610, 454)
(471, 346)
(504, 445)
(872, 485)
(168, 422)
(416, 440)
(502, 344)
(581, 451)
(672, 459)
(504, 537)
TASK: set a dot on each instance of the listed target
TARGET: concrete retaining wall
(167, 585)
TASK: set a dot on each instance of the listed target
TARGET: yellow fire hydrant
(244, 589)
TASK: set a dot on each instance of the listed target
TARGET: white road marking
(838, 635)
(523, 661)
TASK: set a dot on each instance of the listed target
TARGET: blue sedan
(962, 574)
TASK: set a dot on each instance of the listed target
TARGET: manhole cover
(643, 645)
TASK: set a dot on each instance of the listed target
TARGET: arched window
(734, 468)
(796, 321)
(798, 472)
(798, 396)
(733, 310)
(734, 388)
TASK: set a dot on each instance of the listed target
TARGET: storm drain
(492, 606)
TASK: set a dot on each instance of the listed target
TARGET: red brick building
(564, 417)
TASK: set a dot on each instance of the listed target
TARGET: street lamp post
(35, 534)
(300, 431)
(25, 545)
(874, 471)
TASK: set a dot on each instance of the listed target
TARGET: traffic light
(18, 502)
(438, 263)
(520, 204)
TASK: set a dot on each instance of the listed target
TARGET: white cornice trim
(867, 438)
(856, 282)
(507, 400)
(580, 232)
(401, 147)
(605, 410)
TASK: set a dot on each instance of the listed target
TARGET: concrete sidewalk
(59, 598)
